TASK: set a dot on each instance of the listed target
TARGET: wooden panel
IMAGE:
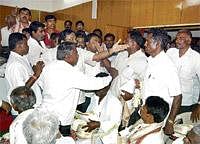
(120, 12)
(141, 12)
(118, 31)
(191, 14)
(4, 11)
(165, 12)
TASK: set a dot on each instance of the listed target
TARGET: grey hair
(64, 49)
(159, 35)
(196, 130)
(23, 98)
(40, 127)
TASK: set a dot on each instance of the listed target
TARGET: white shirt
(188, 67)
(109, 113)
(156, 138)
(18, 71)
(161, 78)
(16, 128)
(5, 35)
(145, 133)
(35, 50)
(61, 84)
(130, 68)
(49, 55)
(65, 140)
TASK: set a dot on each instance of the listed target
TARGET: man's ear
(150, 118)
(188, 40)
(158, 44)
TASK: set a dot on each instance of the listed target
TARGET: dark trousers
(132, 120)
(65, 130)
(83, 107)
(184, 109)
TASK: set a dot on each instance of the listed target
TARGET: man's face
(150, 45)
(191, 138)
(92, 44)
(132, 45)
(109, 42)
(146, 117)
(68, 25)
(24, 47)
(39, 34)
(71, 37)
(79, 27)
(80, 42)
(182, 40)
(74, 57)
(24, 16)
(51, 24)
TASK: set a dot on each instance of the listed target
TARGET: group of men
(55, 73)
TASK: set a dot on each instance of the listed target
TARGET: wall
(117, 16)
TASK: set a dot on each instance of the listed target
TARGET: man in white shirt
(188, 65)
(61, 83)
(108, 118)
(35, 42)
(153, 114)
(161, 76)
(23, 19)
(22, 99)
(18, 70)
(109, 40)
(42, 127)
(130, 64)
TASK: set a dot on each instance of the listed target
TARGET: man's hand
(137, 84)
(169, 128)
(116, 47)
(91, 125)
(195, 116)
(38, 68)
(6, 106)
(126, 96)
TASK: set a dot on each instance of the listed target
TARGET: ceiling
(43, 5)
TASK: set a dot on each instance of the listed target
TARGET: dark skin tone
(22, 49)
(183, 42)
(91, 125)
(191, 138)
(154, 48)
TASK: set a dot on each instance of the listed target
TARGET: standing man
(35, 42)
(61, 83)
(18, 70)
(50, 21)
(23, 20)
(68, 24)
(188, 64)
(161, 77)
(109, 40)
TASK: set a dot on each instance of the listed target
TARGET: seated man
(42, 127)
(22, 100)
(192, 137)
(153, 114)
(107, 110)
